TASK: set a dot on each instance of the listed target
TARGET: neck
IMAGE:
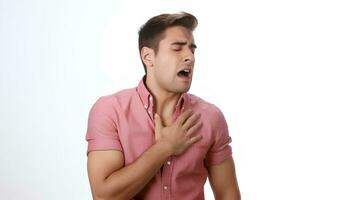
(164, 101)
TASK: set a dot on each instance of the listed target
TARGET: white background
(283, 73)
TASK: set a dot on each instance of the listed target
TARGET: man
(156, 141)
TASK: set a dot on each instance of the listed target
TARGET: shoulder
(112, 103)
(211, 111)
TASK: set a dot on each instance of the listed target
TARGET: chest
(137, 134)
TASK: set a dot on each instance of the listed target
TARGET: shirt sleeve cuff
(217, 157)
(106, 144)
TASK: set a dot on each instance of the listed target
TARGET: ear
(147, 55)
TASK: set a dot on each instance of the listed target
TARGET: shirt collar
(147, 99)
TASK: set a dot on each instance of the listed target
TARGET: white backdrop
(283, 73)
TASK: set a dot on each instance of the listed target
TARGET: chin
(184, 90)
(180, 90)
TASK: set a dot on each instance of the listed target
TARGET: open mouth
(184, 73)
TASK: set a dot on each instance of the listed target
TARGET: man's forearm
(126, 182)
(231, 196)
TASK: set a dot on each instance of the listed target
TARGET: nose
(189, 57)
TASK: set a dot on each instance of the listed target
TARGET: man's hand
(180, 134)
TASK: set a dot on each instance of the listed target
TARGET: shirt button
(146, 106)
(149, 112)
(165, 187)
(183, 107)
(168, 163)
(150, 98)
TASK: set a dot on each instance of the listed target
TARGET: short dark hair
(152, 32)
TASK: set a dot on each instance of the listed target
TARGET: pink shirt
(123, 121)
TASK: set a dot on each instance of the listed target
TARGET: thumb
(158, 127)
(158, 122)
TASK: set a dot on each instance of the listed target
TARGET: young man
(156, 141)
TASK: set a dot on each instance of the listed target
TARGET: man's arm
(110, 180)
(223, 180)
(108, 177)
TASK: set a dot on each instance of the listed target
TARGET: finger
(183, 117)
(194, 128)
(194, 139)
(192, 120)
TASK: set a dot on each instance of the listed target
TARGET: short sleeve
(220, 148)
(102, 128)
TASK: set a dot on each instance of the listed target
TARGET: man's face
(173, 63)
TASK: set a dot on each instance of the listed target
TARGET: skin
(176, 51)
(110, 179)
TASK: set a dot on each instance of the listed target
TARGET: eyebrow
(184, 43)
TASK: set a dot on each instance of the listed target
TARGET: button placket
(166, 178)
